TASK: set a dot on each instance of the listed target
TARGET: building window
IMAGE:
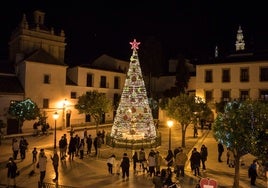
(73, 95)
(89, 80)
(103, 82)
(208, 96)
(46, 79)
(116, 82)
(45, 103)
(225, 95)
(264, 74)
(87, 119)
(244, 94)
(226, 75)
(264, 95)
(208, 76)
(244, 75)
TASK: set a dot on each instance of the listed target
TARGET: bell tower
(240, 43)
(29, 37)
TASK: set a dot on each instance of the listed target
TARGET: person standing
(169, 158)
(195, 160)
(125, 166)
(151, 163)
(15, 148)
(252, 172)
(85, 133)
(158, 161)
(89, 144)
(42, 163)
(97, 144)
(111, 163)
(62, 145)
(23, 147)
(142, 158)
(204, 155)
(55, 162)
(180, 160)
(72, 148)
(220, 151)
(81, 149)
(11, 171)
(34, 153)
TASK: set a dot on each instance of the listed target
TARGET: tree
(134, 120)
(184, 109)
(24, 110)
(94, 104)
(239, 127)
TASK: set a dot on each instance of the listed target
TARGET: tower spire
(240, 44)
(24, 23)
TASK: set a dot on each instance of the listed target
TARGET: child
(81, 148)
(34, 152)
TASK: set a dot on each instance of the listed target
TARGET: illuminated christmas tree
(134, 120)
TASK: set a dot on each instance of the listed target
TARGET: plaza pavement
(91, 172)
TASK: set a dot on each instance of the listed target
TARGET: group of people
(78, 144)
(19, 147)
(178, 159)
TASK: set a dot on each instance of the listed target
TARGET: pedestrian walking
(111, 163)
(55, 163)
(34, 154)
(195, 161)
(220, 151)
(252, 172)
(204, 155)
(42, 165)
(125, 166)
(135, 159)
(11, 172)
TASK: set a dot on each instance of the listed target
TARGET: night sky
(189, 27)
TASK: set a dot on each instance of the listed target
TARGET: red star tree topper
(134, 44)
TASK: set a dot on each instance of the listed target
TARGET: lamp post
(55, 117)
(170, 124)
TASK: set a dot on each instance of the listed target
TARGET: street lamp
(170, 124)
(55, 117)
